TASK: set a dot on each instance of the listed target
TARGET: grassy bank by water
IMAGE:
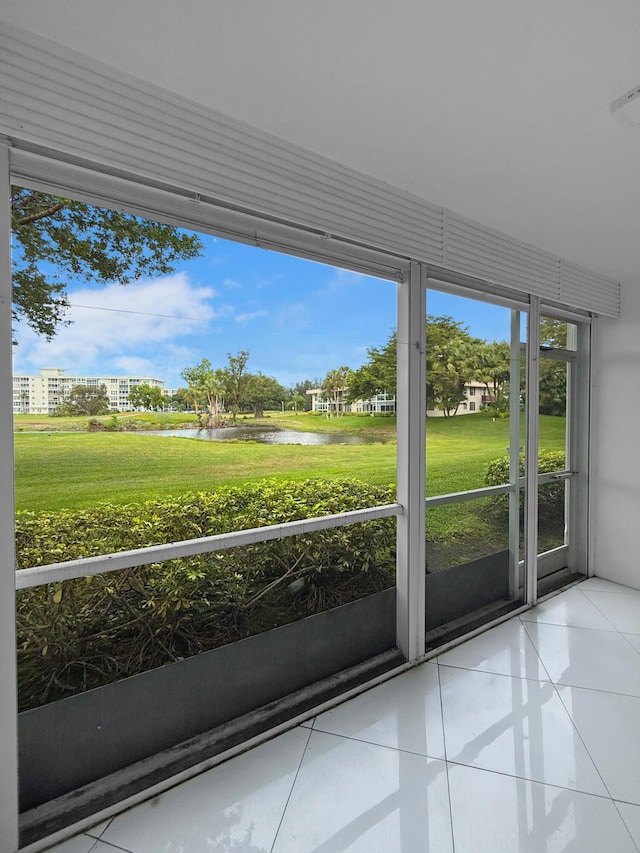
(60, 470)
(69, 471)
(385, 427)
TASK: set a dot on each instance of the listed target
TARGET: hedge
(90, 631)
(550, 495)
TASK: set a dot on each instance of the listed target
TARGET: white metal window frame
(62, 178)
(578, 449)
(54, 175)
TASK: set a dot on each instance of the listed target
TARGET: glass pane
(557, 334)
(201, 386)
(472, 567)
(558, 370)
(280, 367)
(460, 532)
(551, 515)
(469, 394)
(476, 368)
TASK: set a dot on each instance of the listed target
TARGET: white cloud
(231, 284)
(121, 323)
(250, 315)
(132, 365)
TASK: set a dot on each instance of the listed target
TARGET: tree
(449, 363)
(453, 358)
(297, 401)
(492, 368)
(553, 374)
(206, 389)
(181, 400)
(235, 378)
(146, 396)
(263, 392)
(86, 400)
(334, 389)
(378, 375)
(57, 238)
(298, 394)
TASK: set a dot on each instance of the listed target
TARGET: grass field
(74, 470)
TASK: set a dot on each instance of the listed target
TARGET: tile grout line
(604, 615)
(109, 821)
(597, 769)
(575, 728)
(381, 745)
(535, 648)
(622, 633)
(446, 761)
(578, 628)
(557, 693)
(633, 841)
(605, 797)
(293, 784)
(108, 844)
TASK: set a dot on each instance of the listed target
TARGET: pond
(263, 435)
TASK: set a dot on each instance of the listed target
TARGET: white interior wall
(616, 445)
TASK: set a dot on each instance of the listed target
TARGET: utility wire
(140, 313)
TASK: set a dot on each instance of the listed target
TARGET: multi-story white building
(476, 398)
(376, 403)
(42, 394)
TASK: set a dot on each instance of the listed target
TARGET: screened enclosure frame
(413, 276)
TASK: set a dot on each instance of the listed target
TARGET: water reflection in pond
(264, 435)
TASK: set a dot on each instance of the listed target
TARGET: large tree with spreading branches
(56, 239)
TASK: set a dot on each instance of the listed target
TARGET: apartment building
(43, 393)
(375, 404)
(476, 399)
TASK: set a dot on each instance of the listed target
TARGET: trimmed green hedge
(90, 631)
(550, 495)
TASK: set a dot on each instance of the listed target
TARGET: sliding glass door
(493, 542)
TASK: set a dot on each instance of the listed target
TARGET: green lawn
(75, 470)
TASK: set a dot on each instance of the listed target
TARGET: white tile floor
(524, 739)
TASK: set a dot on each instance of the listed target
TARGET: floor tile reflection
(516, 726)
(403, 713)
(631, 817)
(493, 813)
(357, 796)
(237, 806)
(608, 724)
(505, 649)
(523, 739)
(622, 611)
(79, 844)
(580, 657)
(607, 586)
(571, 607)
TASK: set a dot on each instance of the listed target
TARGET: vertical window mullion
(411, 408)
(8, 698)
(531, 464)
(514, 455)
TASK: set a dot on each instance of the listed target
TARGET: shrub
(89, 631)
(550, 495)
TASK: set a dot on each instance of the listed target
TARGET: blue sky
(297, 318)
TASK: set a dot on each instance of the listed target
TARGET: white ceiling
(497, 109)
